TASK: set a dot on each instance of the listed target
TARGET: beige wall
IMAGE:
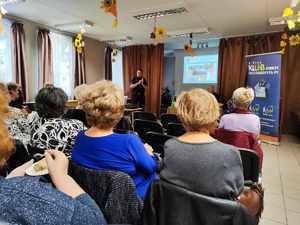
(94, 59)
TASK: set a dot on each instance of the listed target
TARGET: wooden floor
(281, 179)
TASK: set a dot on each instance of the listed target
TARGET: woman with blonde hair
(100, 148)
(242, 119)
(29, 200)
(195, 160)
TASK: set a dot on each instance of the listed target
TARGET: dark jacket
(28, 200)
(168, 204)
(113, 191)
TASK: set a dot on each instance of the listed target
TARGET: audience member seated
(100, 148)
(196, 161)
(242, 119)
(212, 89)
(45, 129)
(79, 92)
(12, 95)
(29, 200)
(16, 94)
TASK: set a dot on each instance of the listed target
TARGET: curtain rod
(22, 20)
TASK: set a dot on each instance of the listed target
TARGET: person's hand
(20, 171)
(149, 149)
(57, 164)
(141, 81)
(58, 169)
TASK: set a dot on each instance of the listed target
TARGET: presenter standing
(138, 86)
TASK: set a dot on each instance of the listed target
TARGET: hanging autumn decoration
(110, 6)
(79, 43)
(287, 40)
(289, 15)
(159, 33)
(188, 48)
(2, 13)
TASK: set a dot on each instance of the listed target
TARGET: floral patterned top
(42, 133)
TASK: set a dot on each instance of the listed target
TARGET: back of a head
(243, 97)
(50, 102)
(12, 86)
(103, 104)
(197, 109)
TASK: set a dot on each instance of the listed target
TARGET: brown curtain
(44, 58)
(233, 71)
(232, 59)
(150, 59)
(108, 63)
(80, 69)
(19, 57)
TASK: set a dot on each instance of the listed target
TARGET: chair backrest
(76, 114)
(142, 127)
(175, 129)
(170, 204)
(157, 141)
(113, 191)
(143, 116)
(168, 118)
(240, 140)
(121, 131)
(124, 124)
(250, 161)
(19, 156)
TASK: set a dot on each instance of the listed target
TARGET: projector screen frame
(179, 69)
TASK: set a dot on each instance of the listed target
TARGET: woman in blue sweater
(100, 148)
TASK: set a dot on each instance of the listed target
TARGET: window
(63, 62)
(6, 74)
(117, 69)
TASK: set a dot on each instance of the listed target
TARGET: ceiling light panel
(161, 13)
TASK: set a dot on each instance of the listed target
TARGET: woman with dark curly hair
(45, 127)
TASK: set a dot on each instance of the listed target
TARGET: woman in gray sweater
(195, 160)
(28, 200)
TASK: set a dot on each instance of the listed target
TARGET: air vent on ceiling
(275, 21)
(157, 14)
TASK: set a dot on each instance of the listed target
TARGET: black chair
(173, 205)
(18, 158)
(157, 141)
(124, 124)
(143, 116)
(76, 114)
(168, 118)
(113, 191)
(142, 127)
(121, 131)
(250, 161)
(175, 129)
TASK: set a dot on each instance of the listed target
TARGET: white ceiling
(222, 17)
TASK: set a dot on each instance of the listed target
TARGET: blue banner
(264, 72)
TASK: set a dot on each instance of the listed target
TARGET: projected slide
(201, 69)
